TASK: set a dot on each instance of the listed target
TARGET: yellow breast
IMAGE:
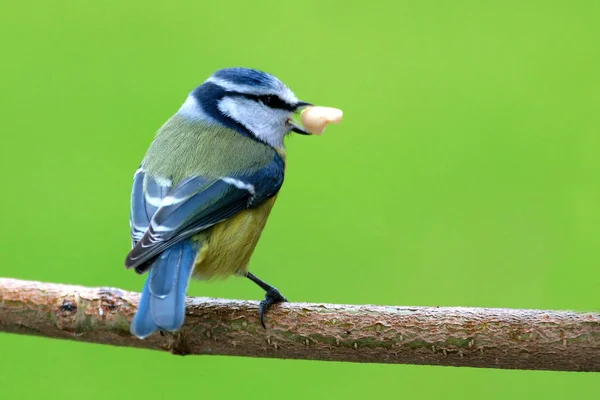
(227, 247)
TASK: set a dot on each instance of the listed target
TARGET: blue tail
(162, 306)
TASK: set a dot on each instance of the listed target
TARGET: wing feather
(193, 205)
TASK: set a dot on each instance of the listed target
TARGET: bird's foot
(273, 296)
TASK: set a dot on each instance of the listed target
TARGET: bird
(204, 190)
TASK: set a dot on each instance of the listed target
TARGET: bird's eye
(273, 101)
(270, 101)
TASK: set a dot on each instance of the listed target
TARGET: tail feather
(162, 306)
(142, 325)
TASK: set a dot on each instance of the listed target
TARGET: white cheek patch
(267, 124)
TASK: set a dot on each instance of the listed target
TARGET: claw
(273, 296)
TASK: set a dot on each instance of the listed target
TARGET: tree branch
(473, 337)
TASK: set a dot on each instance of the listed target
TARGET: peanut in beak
(315, 119)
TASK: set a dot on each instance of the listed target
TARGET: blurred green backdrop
(466, 172)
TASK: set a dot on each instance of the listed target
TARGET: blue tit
(204, 191)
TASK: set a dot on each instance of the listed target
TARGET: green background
(466, 172)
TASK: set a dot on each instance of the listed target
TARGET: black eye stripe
(273, 101)
(270, 100)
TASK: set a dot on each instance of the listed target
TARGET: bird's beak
(301, 104)
(296, 127)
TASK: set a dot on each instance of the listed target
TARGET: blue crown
(249, 77)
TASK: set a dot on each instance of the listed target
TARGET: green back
(184, 147)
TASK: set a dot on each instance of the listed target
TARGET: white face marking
(266, 123)
(283, 91)
(240, 184)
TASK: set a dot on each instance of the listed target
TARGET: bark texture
(454, 336)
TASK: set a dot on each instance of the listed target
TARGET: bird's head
(246, 99)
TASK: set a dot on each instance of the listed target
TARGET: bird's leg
(272, 296)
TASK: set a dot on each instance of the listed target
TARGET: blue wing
(164, 217)
(193, 205)
(146, 196)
